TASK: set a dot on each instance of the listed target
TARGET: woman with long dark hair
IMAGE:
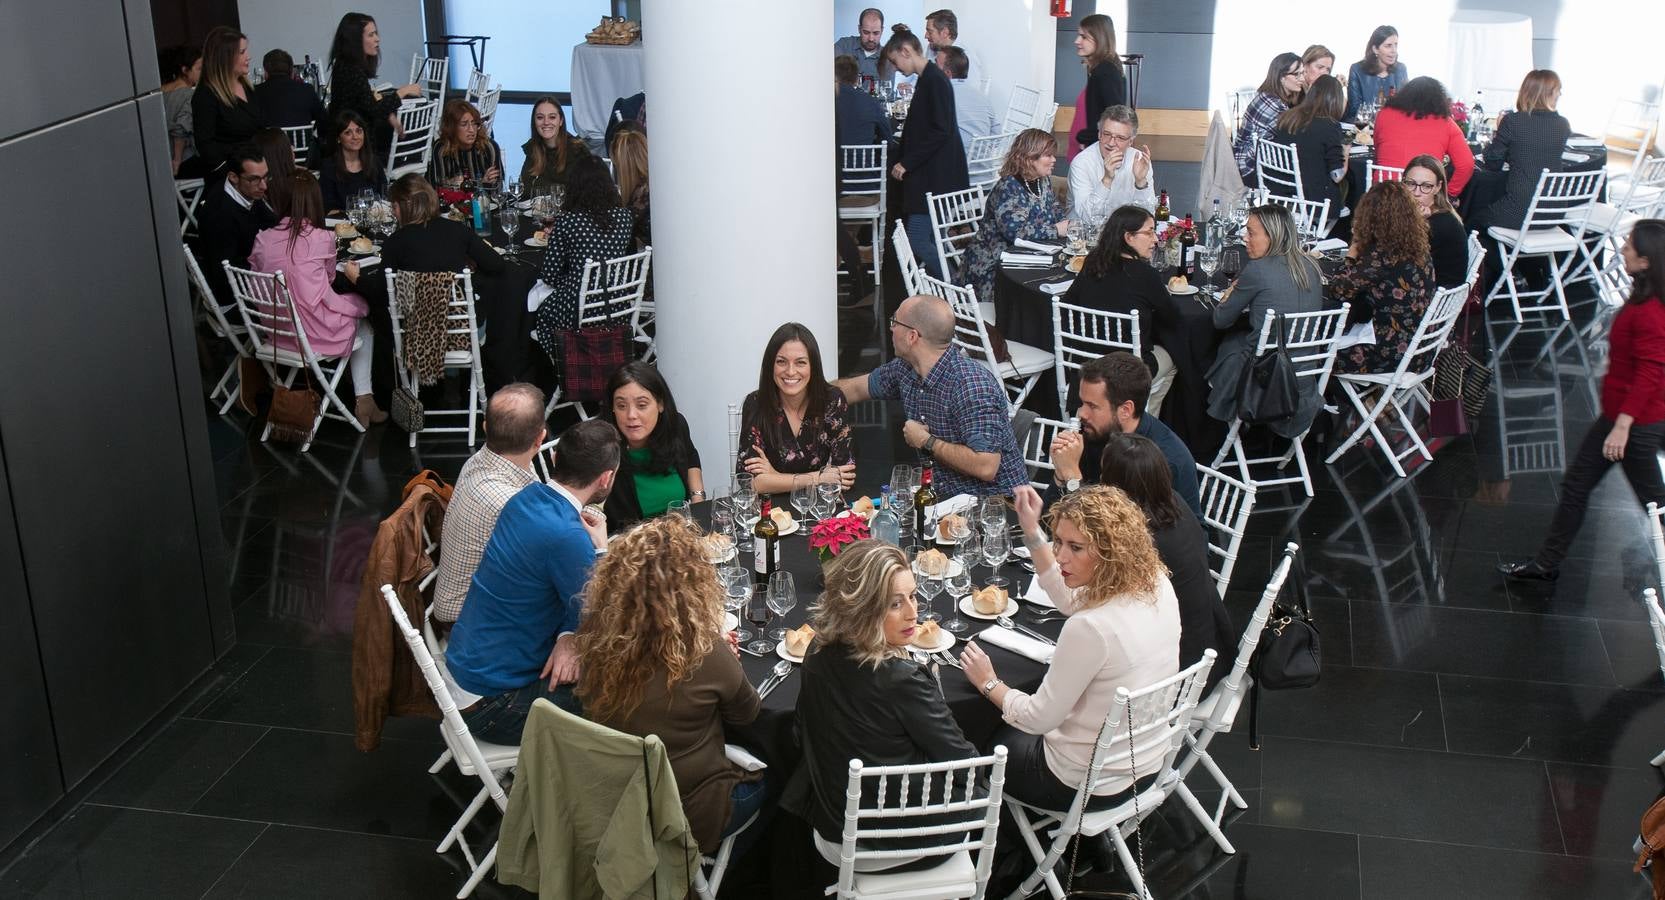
(1281, 89)
(794, 429)
(224, 111)
(1387, 277)
(1095, 44)
(1374, 78)
(1632, 423)
(593, 224)
(355, 54)
(351, 168)
(660, 464)
(1417, 121)
(333, 316)
(1021, 206)
(280, 164)
(1116, 278)
(1320, 149)
(550, 151)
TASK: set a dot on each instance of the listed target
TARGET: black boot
(1529, 570)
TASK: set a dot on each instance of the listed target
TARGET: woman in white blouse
(1122, 631)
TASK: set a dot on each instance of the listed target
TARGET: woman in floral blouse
(795, 427)
(1387, 276)
(1022, 205)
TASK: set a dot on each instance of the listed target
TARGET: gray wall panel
(101, 479)
(60, 59)
(1166, 83)
(1181, 17)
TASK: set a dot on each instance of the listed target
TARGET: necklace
(1034, 188)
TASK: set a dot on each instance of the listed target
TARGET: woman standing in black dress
(354, 57)
(224, 113)
(1095, 43)
(931, 158)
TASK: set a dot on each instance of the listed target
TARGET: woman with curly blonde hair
(655, 661)
(863, 696)
(1102, 569)
(1387, 276)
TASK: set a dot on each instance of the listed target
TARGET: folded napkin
(1358, 150)
(1362, 333)
(1583, 142)
(959, 503)
(1019, 643)
(1027, 244)
(1009, 258)
(1575, 157)
(330, 222)
(1038, 595)
(740, 757)
(1058, 288)
(1328, 244)
(364, 262)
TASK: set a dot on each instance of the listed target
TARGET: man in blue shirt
(514, 641)
(1114, 389)
(863, 47)
(972, 112)
(956, 407)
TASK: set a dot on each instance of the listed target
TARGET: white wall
(308, 26)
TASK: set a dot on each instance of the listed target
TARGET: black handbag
(1289, 656)
(407, 411)
(1271, 391)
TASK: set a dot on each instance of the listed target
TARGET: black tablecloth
(773, 736)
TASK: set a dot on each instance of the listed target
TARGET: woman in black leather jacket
(863, 697)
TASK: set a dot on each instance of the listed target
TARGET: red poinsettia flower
(829, 536)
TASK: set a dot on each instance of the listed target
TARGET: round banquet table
(1023, 312)
(1486, 48)
(774, 736)
(601, 75)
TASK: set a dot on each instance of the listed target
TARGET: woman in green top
(550, 151)
(659, 465)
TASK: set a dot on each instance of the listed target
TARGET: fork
(782, 670)
(947, 659)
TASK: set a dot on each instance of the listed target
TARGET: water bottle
(887, 526)
(1477, 117)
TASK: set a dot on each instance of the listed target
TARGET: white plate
(781, 651)
(1184, 291)
(969, 609)
(954, 569)
(535, 243)
(732, 552)
(791, 529)
(945, 639)
(730, 622)
(347, 237)
(371, 252)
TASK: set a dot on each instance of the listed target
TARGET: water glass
(997, 545)
(508, 218)
(929, 588)
(737, 589)
(803, 497)
(958, 586)
(832, 497)
(783, 596)
(991, 514)
(679, 508)
(722, 521)
(1208, 259)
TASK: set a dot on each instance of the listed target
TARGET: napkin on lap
(744, 759)
(1059, 288)
(1019, 643)
(1328, 244)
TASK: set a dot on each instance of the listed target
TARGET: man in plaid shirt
(956, 408)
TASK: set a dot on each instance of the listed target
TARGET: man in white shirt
(972, 112)
(864, 45)
(1111, 173)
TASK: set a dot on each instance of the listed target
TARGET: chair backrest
(863, 172)
(1144, 731)
(1081, 334)
(1645, 194)
(1374, 173)
(733, 437)
(1045, 113)
(1310, 339)
(268, 311)
(1237, 680)
(211, 308)
(478, 84)
(1037, 447)
(544, 463)
(457, 735)
(1656, 619)
(984, 155)
(1431, 333)
(971, 333)
(1311, 216)
(300, 138)
(1237, 103)
(1226, 505)
(1631, 129)
(488, 108)
(430, 73)
(946, 791)
(1563, 199)
(610, 291)
(1277, 168)
(1020, 108)
(905, 260)
(1476, 256)
(955, 211)
(1656, 537)
(188, 191)
(412, 152)
(460, 316)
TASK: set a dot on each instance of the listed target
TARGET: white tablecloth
(601, 74)
(1488, 49)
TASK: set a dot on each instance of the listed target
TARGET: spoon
(782, 669)
(1006, 622)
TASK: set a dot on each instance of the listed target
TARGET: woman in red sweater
(1632, 420)
(1417, 121)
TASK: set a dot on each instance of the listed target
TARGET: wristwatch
(930, 445)
(1072, 485)
(990, 685)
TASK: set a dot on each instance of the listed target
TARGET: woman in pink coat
(332, 316)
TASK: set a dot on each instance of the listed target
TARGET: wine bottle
(1162, 211)
(765, 547)
(923, 500)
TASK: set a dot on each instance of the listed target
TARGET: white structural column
(740, 126)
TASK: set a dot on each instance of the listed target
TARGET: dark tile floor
(1469, 738)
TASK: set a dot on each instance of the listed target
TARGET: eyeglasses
(1115, 138)
(1419, 187)
(898, 323)
(251, 179)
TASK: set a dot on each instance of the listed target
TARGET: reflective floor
(1469, 739)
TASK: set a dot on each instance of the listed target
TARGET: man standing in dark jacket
(931, 159)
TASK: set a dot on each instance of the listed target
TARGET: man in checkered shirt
(956, 408)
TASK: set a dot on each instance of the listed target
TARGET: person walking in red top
(1632, 420)
(1416, 121)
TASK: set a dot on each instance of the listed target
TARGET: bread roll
(990, 601)
(927, 634)
(797, 640)
(932, 562)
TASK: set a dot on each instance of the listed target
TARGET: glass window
(531, 40)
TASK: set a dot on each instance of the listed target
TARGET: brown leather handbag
(294, 411)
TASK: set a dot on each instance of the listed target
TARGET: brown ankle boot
(368, 412)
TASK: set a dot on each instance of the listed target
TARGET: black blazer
(1319, 150)
(1106, 87)
(350, 89)
(286, 102)
(623, 507)
(892, 715)
(1448, 246)
(439, 245)
(226, 232)
(218, 129)
(931, 154)
(1132, 287)
(1528, 142)
(1203, 620)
